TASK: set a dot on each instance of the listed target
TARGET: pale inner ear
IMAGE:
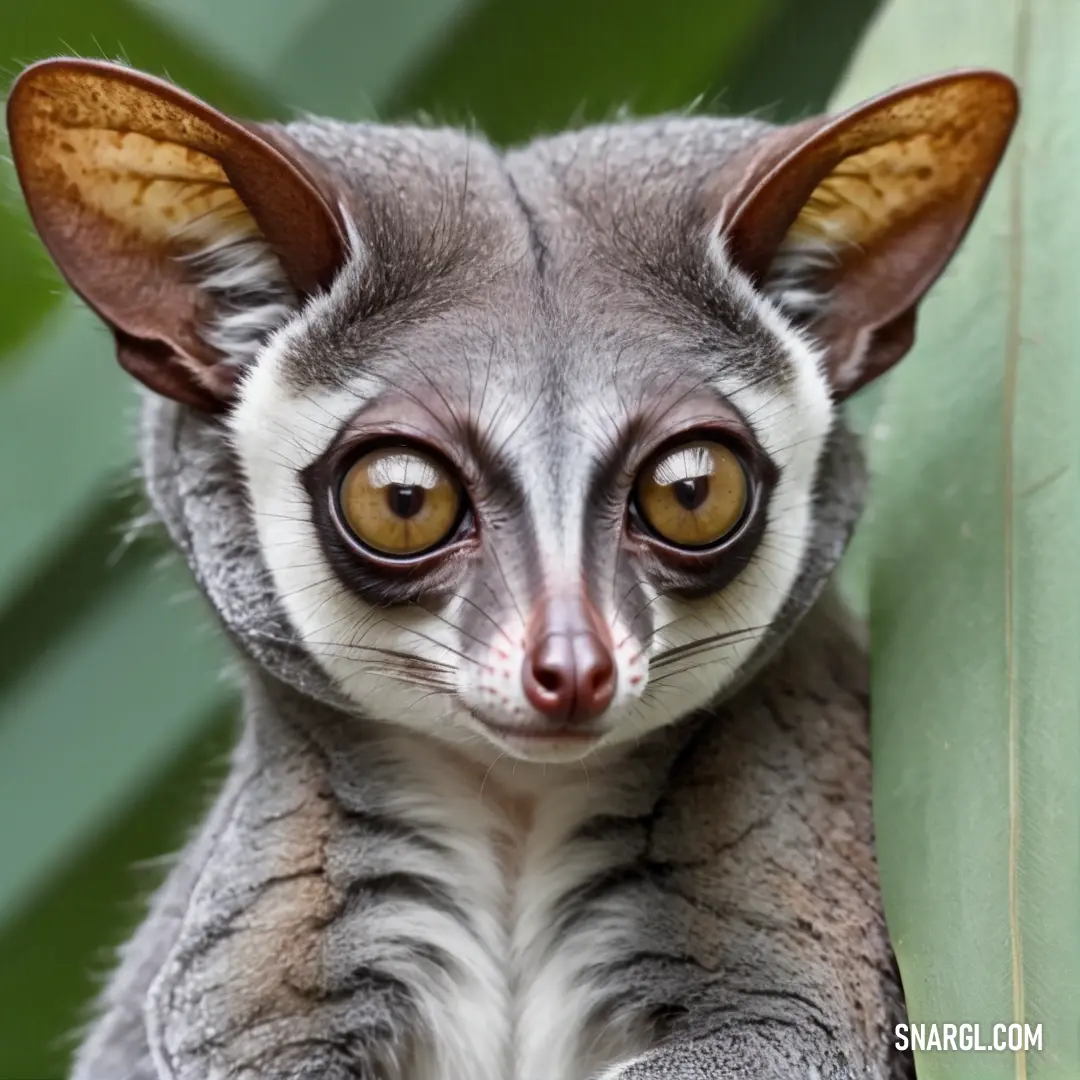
(859, 217)
(177, 203)
(918, 156)
(164, 194)
(869, 193)
(919, 151)
(191, 234)
(867, 196)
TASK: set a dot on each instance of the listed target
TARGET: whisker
(377, 650)
(679, 652)
(460, 629)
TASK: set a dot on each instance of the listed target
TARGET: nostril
(598, 684)
(548, 679)
(600, 680)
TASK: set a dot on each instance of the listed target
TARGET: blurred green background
(114, 716)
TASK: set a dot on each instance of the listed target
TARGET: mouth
(541, 736)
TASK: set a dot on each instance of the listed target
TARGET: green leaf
(382, 41)
(338, 58)
(520, 69)
(58, 948)
(63, 436)
(69, 760)
(975, 571)
(118, 29)
(790, 68)
(252, 36)
(29, 286)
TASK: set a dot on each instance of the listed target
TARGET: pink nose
(569, 669)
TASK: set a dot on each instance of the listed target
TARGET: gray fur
(736, 843)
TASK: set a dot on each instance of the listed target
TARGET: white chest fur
(518, 1008)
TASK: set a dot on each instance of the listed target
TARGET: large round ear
(162, 212)
(847, 222)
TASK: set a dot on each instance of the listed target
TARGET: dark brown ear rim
(762, 216)
(268, 176)
(156, 366)
(875, 288)
(312, 253)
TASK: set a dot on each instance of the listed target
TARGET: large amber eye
(693, 495)
(399, 501)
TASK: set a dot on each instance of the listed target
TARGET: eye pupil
(691, 493)
(405, 500)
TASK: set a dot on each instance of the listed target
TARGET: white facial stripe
(277, 434)
(792, 423)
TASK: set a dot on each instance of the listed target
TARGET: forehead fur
(564, 253)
